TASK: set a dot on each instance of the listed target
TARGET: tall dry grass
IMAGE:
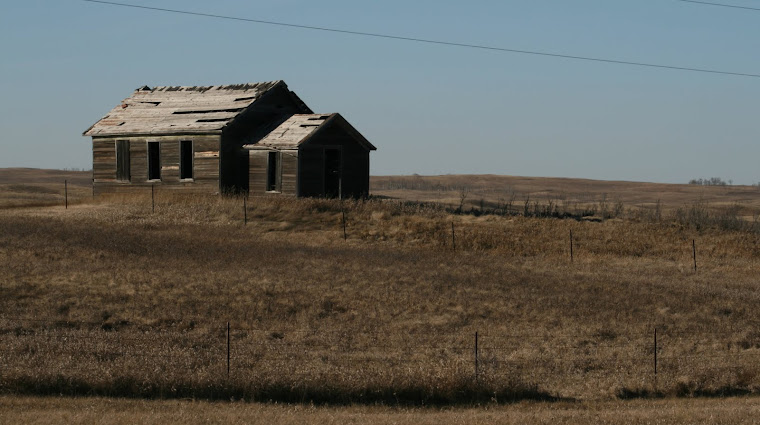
(109, 298)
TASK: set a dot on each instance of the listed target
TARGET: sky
(430, 109)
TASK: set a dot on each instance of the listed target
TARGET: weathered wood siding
(354, 164)
(257, 173)
(287, 171)
(205, 164)
(253, 124)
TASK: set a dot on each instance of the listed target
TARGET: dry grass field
(109, 298)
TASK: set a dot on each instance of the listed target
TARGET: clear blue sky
(429, 109)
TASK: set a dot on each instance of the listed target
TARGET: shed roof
(299, 128)
(166, 109)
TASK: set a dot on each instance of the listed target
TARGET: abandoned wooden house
(258, 138)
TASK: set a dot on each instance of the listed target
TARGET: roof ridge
(239, 86)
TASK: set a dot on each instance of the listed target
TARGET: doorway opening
(333, 173)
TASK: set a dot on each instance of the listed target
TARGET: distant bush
(712, 181)
(700, 216)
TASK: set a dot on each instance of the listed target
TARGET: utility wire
(733, 6)
(429, 41)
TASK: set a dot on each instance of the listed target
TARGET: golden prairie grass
(110, 298)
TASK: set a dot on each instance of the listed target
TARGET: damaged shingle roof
(166, 110)
(298, 129)
(294, 130)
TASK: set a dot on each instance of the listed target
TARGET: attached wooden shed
(258, 138)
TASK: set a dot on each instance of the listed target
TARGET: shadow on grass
(683, 391)
(326, 394)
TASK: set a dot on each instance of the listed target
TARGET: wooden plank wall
(289, 170)
(257, 171)
(205, 164)
(104, 160)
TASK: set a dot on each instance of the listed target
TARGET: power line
(733, 6)
(429, 41)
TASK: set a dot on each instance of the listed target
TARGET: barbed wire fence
(49, 353)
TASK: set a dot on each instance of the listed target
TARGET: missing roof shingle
(213, 120)
(207, 111)
(240, 99)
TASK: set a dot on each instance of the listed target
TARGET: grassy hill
(493, 190)
(39, 187)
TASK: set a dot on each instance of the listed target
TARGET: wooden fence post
(66, 194)
(343, 212)
(694, 252)
(453, 238)
(572, 259)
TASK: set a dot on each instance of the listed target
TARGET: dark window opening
(272, 163)
(186, 159)
(154, 161)
(122, 160)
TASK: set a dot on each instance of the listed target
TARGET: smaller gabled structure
(311, 155)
